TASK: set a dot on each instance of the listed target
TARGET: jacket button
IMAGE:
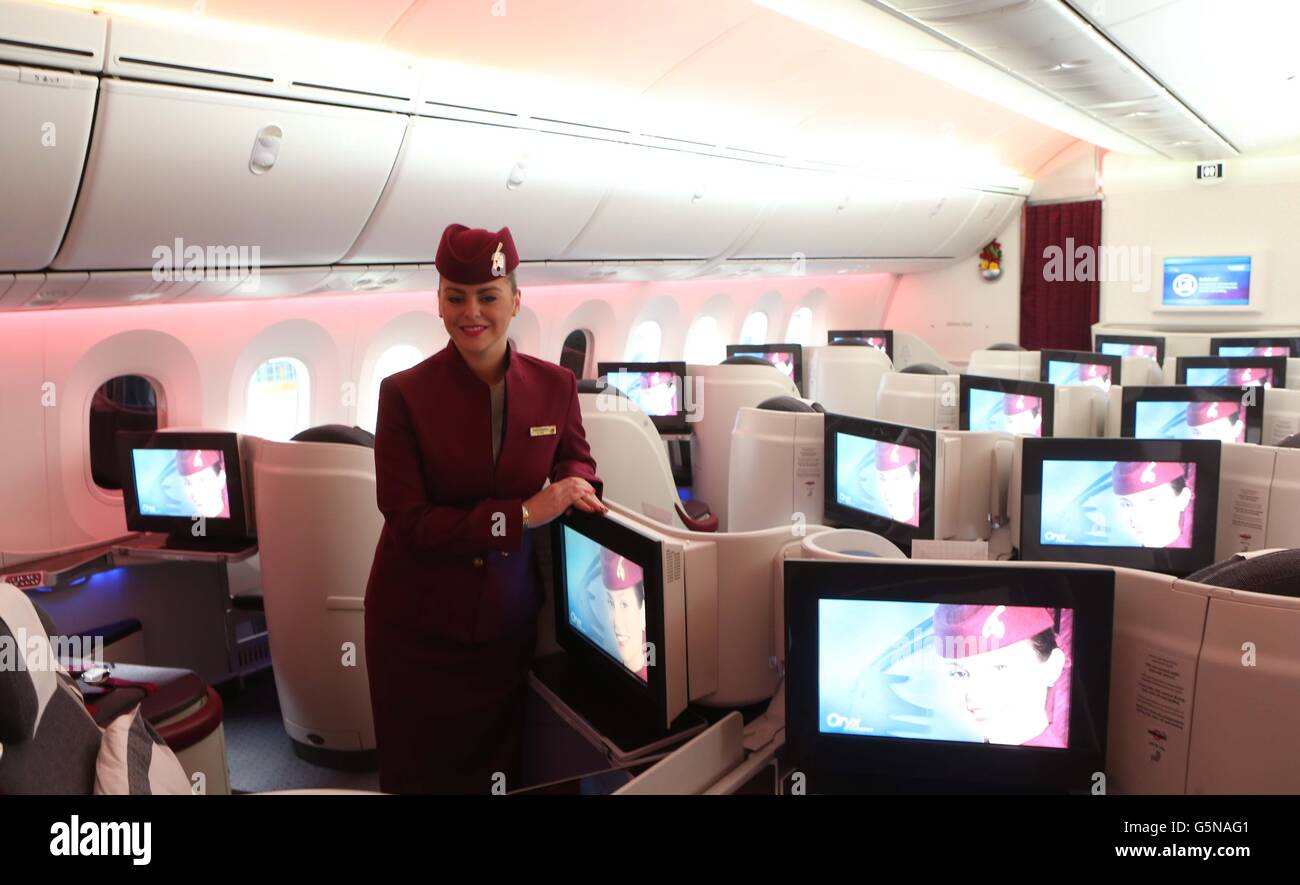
(478, 562)
(503, 553)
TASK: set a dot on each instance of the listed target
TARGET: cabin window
(754, 331)
(395, 359)
(643, 346)
(704, 344)
(127, 402)
(279, 399)
(573, 355)
(800, 328)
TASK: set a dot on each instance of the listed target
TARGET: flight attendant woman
(463, 444)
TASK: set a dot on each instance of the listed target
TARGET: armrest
(697, 517)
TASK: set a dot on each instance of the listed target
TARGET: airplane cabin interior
(918, 381)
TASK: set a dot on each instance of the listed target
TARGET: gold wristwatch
(525, 506)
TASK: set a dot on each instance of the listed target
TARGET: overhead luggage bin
(988, 219)
(546, 186)
(673, 204)
(289, 182)
(820, 215)
(923, 221)
(262, 62)
(47, 116)
(47, 36)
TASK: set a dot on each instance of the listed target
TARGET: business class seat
(780, 441)
(844, 379)
(633, 462)
(317, 528)
(51, 719)
(723, 391)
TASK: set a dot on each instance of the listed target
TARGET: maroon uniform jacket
(453, 559)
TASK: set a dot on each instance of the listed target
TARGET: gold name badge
(546, 430)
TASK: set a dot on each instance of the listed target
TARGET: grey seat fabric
(55, 754)
(1274, 573)
(1291, 442)
(923, 369)
(1004, 345)
(785, 404)
(745, 361)
(337, 433)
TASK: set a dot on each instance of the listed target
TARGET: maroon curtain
(1057, 309)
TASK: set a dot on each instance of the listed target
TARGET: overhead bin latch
(266, 148)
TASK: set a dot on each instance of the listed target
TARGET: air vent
(341, 90)
(674, 566)
(47, 47)
(582, 125)
(463, 107)
(189, 69)
(25, 580)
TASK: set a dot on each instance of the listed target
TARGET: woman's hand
(550, 502)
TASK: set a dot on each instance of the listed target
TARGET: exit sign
(1209, 171)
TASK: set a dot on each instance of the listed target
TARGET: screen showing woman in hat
(606, 601)
(996, 674)
(1160, 419)
(1118, 503)
(204, 474)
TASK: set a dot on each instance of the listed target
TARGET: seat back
(844, 379)
(721, 392)
(318, 525)
(630, 456)
(49, 743)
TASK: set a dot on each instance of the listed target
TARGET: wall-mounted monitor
(172, 479)
(1131, 345)
(880, 477)
(788, 358)
(657, 389)
(1231, 371)
(1181, 412)
(925, 677)
(1283, 347)
(1224, 282)
(880, 339)
(1145, 504)
(1023, 408)
(1080, 367)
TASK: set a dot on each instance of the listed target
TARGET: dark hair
(1044, 643)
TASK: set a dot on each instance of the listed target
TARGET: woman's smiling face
(477, 317)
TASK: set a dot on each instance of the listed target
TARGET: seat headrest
(924, 369)
(598, 385)
(1004, 345)
(1274, 573)
(337, 433)
(1291, 442)
(24, 691)
(785, 404)
(745, 361)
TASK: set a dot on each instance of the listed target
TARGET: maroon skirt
(448, 715)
